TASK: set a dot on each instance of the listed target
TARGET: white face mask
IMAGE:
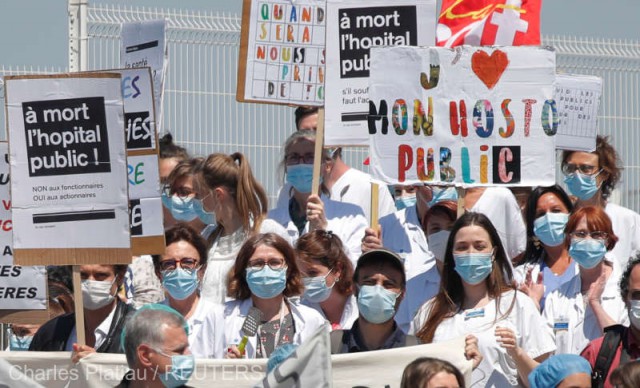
(96, 294)
(634, 313)
(438, 243)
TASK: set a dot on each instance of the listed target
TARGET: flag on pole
(488, 23)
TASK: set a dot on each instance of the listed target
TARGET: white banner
(467, 116)
(381, 368)
(353, 27)
(139, 112)
(578, 99)
(143, 44)
(68, 164)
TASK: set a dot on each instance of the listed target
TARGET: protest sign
(379, 368)
(22, 289)
(282, 52)
(68, 169)
(139, 114)
(143, 44)
(353, 27)
(578, 99)
(466, 116)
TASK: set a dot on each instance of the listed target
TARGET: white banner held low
(353, 27)
(101, 370)
(467, 116)
(68, 169)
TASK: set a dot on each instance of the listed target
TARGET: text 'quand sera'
(65, 136)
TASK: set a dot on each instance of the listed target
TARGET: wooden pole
(318, 154)
(461, 193)
(374, 206)
(77, 296)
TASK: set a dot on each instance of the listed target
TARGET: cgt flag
(489, 23)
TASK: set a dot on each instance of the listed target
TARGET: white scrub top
(497, 368)
(206, 330)
(402, 233)
(223, 254)
(501, 207)
(345, 220)
(567, 313)
(349, 314)
(419, 289)
(305, 320)
(626, 225)
(354, 186)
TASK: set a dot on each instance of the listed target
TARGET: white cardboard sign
(467, 116)
(353, 27)
(68, 163)
(578, 99)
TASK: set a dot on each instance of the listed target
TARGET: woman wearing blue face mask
(547, 263)
(179, 193)
(477, 296)
(265, 275)
(231, 201)
(591, 177)
(328, 273)
(305, 212)
(180, 270)
(404, 196)
(580, 309)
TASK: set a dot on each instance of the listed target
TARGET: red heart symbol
(489, 68)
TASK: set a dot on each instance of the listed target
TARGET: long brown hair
(450, 297)
(421, 370)
(233, 172)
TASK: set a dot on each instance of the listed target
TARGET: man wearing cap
(380, 282)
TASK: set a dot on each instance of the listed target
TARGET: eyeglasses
(296, 158)
(181, 191)
(596, 235)
(257, 265)
(584, 169)
(188, 263)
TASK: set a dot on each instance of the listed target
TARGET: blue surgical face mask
(300, 176)
(405, 202)
(588, 252)
(267, 283)
(473, 268)
(582, 186)
(181, 208)
(316, 289)
(18, 343)
(443, 194)
(180, 371)
(549, 228)
(180, 283)
(377, 304)
(209, 218)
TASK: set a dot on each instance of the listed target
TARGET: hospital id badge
(561, 324)
(474, 313)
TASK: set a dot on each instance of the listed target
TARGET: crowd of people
(545, 294)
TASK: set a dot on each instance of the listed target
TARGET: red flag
(487, 23)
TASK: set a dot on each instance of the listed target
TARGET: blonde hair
(233, 172)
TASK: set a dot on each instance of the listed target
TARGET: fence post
(77, 35)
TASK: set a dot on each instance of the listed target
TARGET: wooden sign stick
(318, 154)
(461, 193)
(374, 206)
(79, 309)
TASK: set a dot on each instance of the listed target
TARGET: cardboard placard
(578, 99)
(68, 169)
(467, 116)
(282, 57)
(353, 28)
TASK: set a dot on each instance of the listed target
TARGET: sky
(34, 32)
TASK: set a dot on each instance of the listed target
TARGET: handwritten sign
(282, 52)
(467, 116)
(578, 99)
(353, 28)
